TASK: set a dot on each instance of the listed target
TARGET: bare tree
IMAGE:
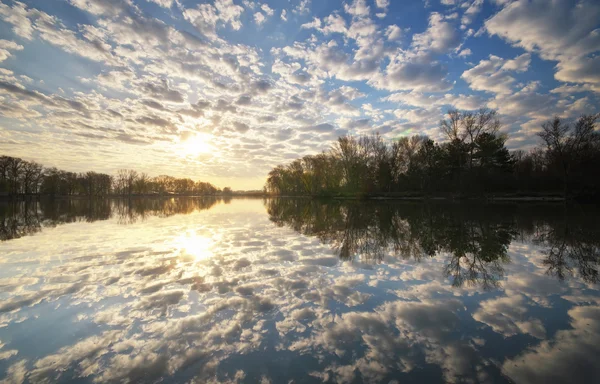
(451, 125)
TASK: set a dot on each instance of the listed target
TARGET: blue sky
(225, 90)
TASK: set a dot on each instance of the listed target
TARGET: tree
(568, 147)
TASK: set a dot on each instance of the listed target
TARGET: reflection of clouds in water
(164, 309)
(508, 316)
(570, 357)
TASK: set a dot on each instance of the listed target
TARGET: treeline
(20, 177)
(473, 161)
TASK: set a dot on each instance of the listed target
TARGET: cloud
(163, 3)
(493, 75)
(7, 46)
(465, 52)
(383, 4)
(358, 8)
(439, 37)
(473, 8)
(267, 10)
(559, 30)
(206, 17)
(18, 16)
(393, 32)
(419, 74)
(162, 92)
(303, 7)
(259, 18)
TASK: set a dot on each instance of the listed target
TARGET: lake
(291, 290)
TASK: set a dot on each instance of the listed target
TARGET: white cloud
(418, 73)
(18, 16)
(259, 18)
(492, 75)
(267, 10)
(302, 8)
(559, 30)
(383, 4)
(206, 17)
(6, 46)
(163, 3)
(473, 9)
(439, 37)
(358, 8)
(465, 52)
(393, 32)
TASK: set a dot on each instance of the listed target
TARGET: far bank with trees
(473, 162)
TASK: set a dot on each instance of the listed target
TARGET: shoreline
(491, 198)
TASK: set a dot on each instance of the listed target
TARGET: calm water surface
(193, 290)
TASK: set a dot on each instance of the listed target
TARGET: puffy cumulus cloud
(303, 7)
(163, 3)
(206, 17)
(580, 70)
(439, 37)
(358, 8)
(259, 18)
(383, 4)
(267, 10)
(393, 32)
(465, 52)
(7, 46)
(493, 75)
(472, 10)
(18, 16)
(419, 73)
(424, 100)
(559, 30)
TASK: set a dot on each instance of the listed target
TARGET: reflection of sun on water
(195, 245)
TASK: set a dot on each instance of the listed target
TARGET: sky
(223, 91)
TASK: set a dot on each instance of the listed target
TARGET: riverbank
(418, 197)
(550, 198)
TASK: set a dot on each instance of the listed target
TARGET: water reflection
(473, 239)
(23, 218)
(335, 292)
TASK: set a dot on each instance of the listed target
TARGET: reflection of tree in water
(474, 238)
(18, 219)
(129, 211)
(573, 243)
(23, 218)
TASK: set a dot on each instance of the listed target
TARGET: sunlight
(196, 144)
(195, 245)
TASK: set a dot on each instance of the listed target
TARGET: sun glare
(195, 245)
(196, 144)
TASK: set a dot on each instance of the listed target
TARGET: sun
(196, 144)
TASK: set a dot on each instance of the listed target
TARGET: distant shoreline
(497, 198)
(549, 198)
